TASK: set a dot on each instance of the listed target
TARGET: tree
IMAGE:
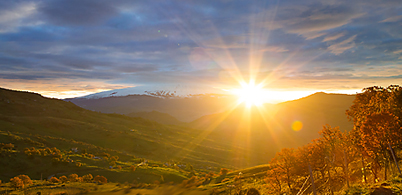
(224, 171)
(274, 178)
(73, 178)
(25, 179)
(54, 180)
(378, 132)
(112, 163)
(285, 160)
(16, 183)
(114, 158)
(100, 179)
(87, 178)
(373, 100)
(348, 151)
(63, 179)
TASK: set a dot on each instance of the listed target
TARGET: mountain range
(223, 136)
(249, 128)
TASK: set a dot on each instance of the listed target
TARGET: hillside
(159, 117)
(269, 124)
(270, 128)
(30, 120)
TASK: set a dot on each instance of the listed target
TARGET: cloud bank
(313, 44)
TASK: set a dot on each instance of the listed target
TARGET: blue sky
(66, 48)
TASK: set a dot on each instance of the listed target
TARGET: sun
(250, 93)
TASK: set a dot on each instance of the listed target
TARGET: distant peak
(319, 93)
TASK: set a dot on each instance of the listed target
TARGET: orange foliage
(100, 179)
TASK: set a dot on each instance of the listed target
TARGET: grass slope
(159, 117)
(30, 120)
(268, 129)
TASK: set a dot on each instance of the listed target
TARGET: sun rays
(251, 94)
(249, 79)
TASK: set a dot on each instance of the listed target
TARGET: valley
(46, 138)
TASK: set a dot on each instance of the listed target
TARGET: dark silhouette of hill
(159, 117)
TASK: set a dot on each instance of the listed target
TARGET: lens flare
(297, 125)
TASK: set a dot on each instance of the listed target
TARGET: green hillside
(159, 117)
(30, 120)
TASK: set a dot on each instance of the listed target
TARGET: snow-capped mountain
(162, 91)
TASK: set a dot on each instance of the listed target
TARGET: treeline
(338, 158)
(23, 181)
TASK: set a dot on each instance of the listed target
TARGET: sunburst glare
(251, 93)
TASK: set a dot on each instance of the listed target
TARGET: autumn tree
(87, 178)
(274, 179)
(73, 178)
(16, 183)
(25, 179)
(373, 100)
(285, 160)
(63, 179)
(347, 152)
(379, 132)
(54, 180)
(100, 179)
(224, 171)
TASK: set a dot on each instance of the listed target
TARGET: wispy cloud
(341, 47)
(333, 37)
(393, 19)
(142, 42)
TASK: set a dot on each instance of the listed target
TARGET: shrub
(100, 179)
(16, 183)
(78, 164)
(63, 179)
(192, 182)
(132, 168)
(209, 175)
(87, 178)
(25, 179)
(119, 167)
(54, 180)
(224, 171)
(73, 178)
(114, 158)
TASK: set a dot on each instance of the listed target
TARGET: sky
(67, 48)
